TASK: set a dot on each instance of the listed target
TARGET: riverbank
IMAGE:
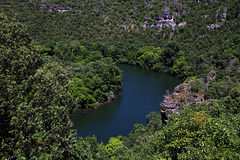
(98, 104)
(141, 93)
(86, 110)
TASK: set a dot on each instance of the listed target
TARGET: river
(142, 91)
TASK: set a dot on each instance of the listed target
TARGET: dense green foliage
(38, 93)
(34, 117)
(203, 35)
(74, 68)
(97, 82)
(114, 21)
(93, 78)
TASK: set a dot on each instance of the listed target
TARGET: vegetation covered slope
(145, 22)
(207, 32)
(188, 39)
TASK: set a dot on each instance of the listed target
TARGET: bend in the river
(142, 92)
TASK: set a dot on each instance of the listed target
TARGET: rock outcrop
(212, 75)
(52, 7)
(224, 14)
(231, 63)
(214, 26)
(184, 94)
(166, 18)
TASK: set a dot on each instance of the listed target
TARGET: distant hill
(206, 31)
(145, 22)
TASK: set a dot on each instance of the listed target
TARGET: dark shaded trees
(34, 117)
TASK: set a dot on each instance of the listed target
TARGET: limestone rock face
(211, 76)
(174, 102)
(183, 95)
(182, 24)
(231, 63)
(224, 13)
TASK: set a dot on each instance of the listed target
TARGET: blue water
(142, 92)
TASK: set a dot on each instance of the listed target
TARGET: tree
(18, 54)
(197, 136)
(82, 94)
(180, 66)
(107, 71)
(112, 146)
(33, 105)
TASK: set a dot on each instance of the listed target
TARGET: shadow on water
(142, 92)
(101, 115)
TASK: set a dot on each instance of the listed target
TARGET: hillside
(149, 22)
(206, 31)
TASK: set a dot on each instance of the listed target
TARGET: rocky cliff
(184, 94)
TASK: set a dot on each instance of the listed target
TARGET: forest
(60, 57)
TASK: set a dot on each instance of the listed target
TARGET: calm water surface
(142, 92)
